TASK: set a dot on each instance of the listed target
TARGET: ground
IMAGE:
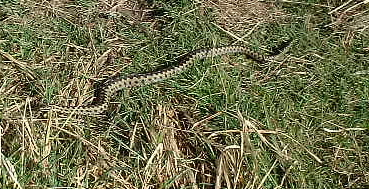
(299, 121)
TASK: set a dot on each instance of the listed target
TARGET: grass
(227, 122)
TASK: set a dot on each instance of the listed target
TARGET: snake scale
(113, 85)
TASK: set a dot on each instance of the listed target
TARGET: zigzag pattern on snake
(112, 86)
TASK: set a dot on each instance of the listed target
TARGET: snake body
(113, 85)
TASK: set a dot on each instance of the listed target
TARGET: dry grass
(280, 126)
(238, 16)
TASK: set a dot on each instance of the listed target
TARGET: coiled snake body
(112, 86)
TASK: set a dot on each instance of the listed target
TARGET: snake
(113, 85)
